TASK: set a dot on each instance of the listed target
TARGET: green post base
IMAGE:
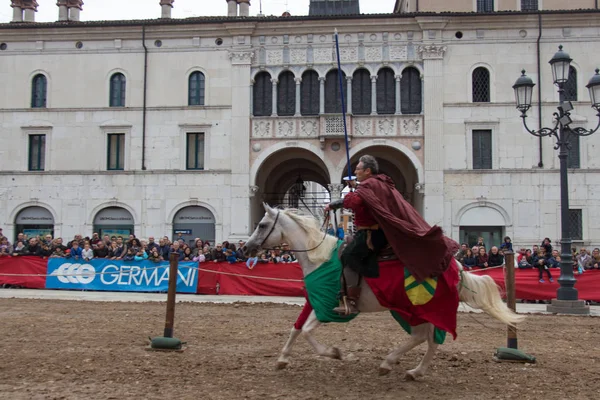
(504, 354)
(166, 343)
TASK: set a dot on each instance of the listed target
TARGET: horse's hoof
(336, 354)
(282, 364)
(410, 376)
(384, 371)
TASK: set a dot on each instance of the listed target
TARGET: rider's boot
(348, 304)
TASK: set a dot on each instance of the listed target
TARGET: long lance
(342, 97)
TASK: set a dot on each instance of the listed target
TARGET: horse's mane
(314, 236)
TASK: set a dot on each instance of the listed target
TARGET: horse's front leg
(427, 358)
(283, 359)
(419, 335)
(311, 324)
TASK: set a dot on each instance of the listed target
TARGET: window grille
(310, 93)
(39, 88)
(195, 151)
(361, 92)
(286, 94)
(263, 95)
(333, 98)
(529, 5)
(574, 159)
(485, 5)
(116, 152)
(571, 85)
(117, 90)
(481, 85)
(411, 91)
(37, 152)
(576, 224)
(386, 92)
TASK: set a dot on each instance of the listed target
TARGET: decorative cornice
(432, 51)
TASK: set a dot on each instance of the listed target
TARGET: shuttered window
(333, 98)
(529, 5)
(117, 90)
(116, 152)
(386, 92)
(482, 149)
(196, 89)
(37, 152)
(361, 92)
(310, 93)
(39, 88)
(195, 151)
(411, 92)
(262, 95)
(286, 94)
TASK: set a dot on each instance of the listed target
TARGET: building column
(335, 191)
(274, 108)
(373, 94)
(398, 97)
(298, 95)
(235, 215)
(349, 95)
(433, 65)
(251, 109)
(321, 95)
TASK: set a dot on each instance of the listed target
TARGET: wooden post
(511, 301)
(173, 267)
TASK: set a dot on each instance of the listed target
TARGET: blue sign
(118, 275)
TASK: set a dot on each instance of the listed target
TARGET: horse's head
(268, 233)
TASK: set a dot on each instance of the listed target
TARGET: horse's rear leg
(283, 360)
(419, 335)
(427, 358)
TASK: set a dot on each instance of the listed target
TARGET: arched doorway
(194, 222)
(34, 221)
(396, 165)
(291, 177)
(485, 222)
(114, 221)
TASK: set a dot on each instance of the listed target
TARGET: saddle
(386, 254)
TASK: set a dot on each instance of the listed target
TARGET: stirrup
(344, 308)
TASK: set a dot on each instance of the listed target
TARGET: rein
(325, 222)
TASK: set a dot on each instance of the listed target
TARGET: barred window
(39, 87)
(286, 94)
(411, 91)
(37, 152)
(361, 92)
(529, 5)
(386, 91)
(333, 98)
(576, 224)
(311, 93)
(482, 149)
(481, 85)
(117, 90)
(571, 85)
(196, 89)
(573, 160)
(263, 95)
(485, 5)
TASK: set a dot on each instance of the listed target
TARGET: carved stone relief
(411, 127)
(261, 129)
(386, 127)
(398, 53)
(374, 54)
(285, 128)
(308, 128)
(274, 57)
(362, 127)
(323, 55)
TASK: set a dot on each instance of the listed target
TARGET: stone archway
(278, 177)
(397, 165)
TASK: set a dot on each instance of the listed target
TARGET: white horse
(299, 232)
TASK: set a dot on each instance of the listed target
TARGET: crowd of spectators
(133, 248)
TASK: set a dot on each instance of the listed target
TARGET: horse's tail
(481, 292)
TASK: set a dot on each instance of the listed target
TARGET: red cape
(423, 249)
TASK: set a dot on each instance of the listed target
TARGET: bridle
(295, 251)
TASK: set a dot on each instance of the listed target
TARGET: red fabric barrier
(23, 265)
(240, 282)
(528, 286)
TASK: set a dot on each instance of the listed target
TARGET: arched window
(263, 95)
(411, 92)
(333, 99)
(571, 85)
(117, 90)
(386, 91)
(196, 89)
(361, 92)
(39, 87)
(286, 94)
(481, 85)
(311, 95)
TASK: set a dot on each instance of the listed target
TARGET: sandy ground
(72, 350)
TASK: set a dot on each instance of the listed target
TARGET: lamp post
(566, 296)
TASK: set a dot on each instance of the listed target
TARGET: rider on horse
(380, 215)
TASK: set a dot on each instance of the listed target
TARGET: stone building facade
(186, 126)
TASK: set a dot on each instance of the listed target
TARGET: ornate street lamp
(566, 296)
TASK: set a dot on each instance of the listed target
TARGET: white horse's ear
(268, 209)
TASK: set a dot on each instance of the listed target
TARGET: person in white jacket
(87, 253)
